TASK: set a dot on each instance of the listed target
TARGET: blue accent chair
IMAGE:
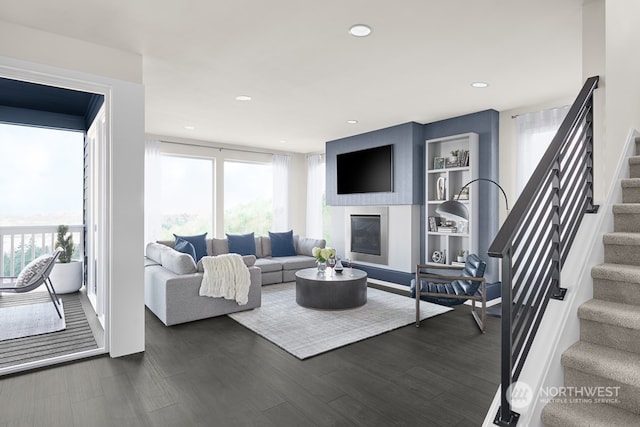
(452, 290)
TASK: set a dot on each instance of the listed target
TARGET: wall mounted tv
(365, 171)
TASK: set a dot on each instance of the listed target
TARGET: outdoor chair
(32, 276)
(453, 290)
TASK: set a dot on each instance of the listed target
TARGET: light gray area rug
(306, 332)
(30, 319)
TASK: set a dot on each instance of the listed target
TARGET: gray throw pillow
(306, 245)
(32, 271)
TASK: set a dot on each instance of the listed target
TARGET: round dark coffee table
(331, 291)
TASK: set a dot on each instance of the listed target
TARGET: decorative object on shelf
(438, 162)
(322, 255)
(441, 188)
(433, 223)
(439, 256)
(452, 161)
(455, 210)
(460, 256)
(463, 194)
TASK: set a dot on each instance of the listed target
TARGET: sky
(41, 174)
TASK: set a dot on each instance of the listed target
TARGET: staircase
(608, 353)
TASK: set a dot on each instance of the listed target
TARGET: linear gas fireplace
(367, 234)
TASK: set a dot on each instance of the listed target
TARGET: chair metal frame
(480, 296)
(41, 277)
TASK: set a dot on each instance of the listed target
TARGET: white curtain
(152, 191)
(534, 134)
(315, 195)
(280, 193)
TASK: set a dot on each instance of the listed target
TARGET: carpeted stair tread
(605, 362)
(573, 414)
(634, 160)
(621, 238)
(612, 313)
(626, 208)
(630, 183)
(617, 272)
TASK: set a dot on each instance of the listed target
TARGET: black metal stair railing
(536, 237)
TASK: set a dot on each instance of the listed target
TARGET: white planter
(66, 277)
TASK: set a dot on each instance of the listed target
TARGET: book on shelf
(433, 223)
(444, 229)
(457, 264)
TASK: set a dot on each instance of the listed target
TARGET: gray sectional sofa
(172, 279)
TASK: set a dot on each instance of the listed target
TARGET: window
(187, 196)
(248, 197)
(535, 133)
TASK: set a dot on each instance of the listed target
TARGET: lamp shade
(453, 209)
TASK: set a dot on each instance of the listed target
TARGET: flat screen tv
(365, 171)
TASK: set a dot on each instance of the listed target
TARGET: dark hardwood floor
(217, 373)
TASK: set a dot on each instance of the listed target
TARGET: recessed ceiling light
(243, 98)
(479, 84)
(352, 122)
(190, 127)
(360, 30)
(283, 141)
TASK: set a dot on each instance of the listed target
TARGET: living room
(119, 72)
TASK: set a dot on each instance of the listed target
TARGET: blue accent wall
(408, 140)
(486, 125)
(408, 166)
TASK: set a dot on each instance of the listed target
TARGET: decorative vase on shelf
(322, 266)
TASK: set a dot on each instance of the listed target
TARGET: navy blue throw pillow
(199, 243)
(282, 244)
(243, 244)
(185, 247)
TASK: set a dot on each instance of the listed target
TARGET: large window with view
(42, 187)
(248, 197)
(187, 196)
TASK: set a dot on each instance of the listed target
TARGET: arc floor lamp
(453, 209)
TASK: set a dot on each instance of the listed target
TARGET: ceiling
(307, 76)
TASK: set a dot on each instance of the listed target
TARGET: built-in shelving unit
(443, 180)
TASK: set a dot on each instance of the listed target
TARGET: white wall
(621, 83)
(48, 58)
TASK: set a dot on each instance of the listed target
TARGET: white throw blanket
(225, 276)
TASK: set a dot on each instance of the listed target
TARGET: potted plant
(66, 275)
(460, 257)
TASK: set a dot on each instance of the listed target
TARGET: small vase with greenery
(66, 243)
